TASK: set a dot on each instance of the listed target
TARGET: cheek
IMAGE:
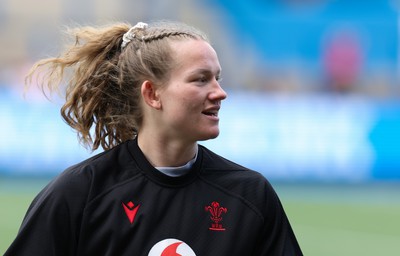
(184, 102)
(179, 109)
(190, 103)
(193, 102)
(194, 108)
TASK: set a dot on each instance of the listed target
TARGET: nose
(218, 93)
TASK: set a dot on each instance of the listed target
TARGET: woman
(147, 95)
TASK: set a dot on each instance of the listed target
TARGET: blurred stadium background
(314, 89)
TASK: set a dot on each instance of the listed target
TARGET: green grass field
(328, 219)
(339, 220)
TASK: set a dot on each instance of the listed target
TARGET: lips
(210, 113)
(213, 111)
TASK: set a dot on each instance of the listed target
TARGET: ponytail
(102, 79)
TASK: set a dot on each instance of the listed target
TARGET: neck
(165, 152)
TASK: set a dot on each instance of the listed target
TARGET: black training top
(117, 203)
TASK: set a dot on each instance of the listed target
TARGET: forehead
(194, 54)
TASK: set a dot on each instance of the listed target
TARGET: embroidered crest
(216, 215)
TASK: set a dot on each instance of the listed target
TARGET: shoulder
(216, 166)
(90, 177)
(234, 178)
(214, 161)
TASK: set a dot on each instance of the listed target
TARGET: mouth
(207, 113)
(213, 111)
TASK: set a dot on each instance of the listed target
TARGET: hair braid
(165, 35)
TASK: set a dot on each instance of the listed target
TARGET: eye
(204, 77)
(200, 79)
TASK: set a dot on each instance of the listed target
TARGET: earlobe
(150, 94)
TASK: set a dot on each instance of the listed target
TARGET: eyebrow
(204, 70)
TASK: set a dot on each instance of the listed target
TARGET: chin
(209, 136)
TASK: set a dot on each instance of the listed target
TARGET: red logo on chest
(131, 210)
(215, 215)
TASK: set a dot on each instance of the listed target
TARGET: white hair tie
(128, 36)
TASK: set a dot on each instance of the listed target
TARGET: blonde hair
(103, 80)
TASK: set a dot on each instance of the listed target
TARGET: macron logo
(130, 210)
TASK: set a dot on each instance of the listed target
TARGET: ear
(150, 94)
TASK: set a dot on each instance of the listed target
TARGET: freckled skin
(192, 89)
